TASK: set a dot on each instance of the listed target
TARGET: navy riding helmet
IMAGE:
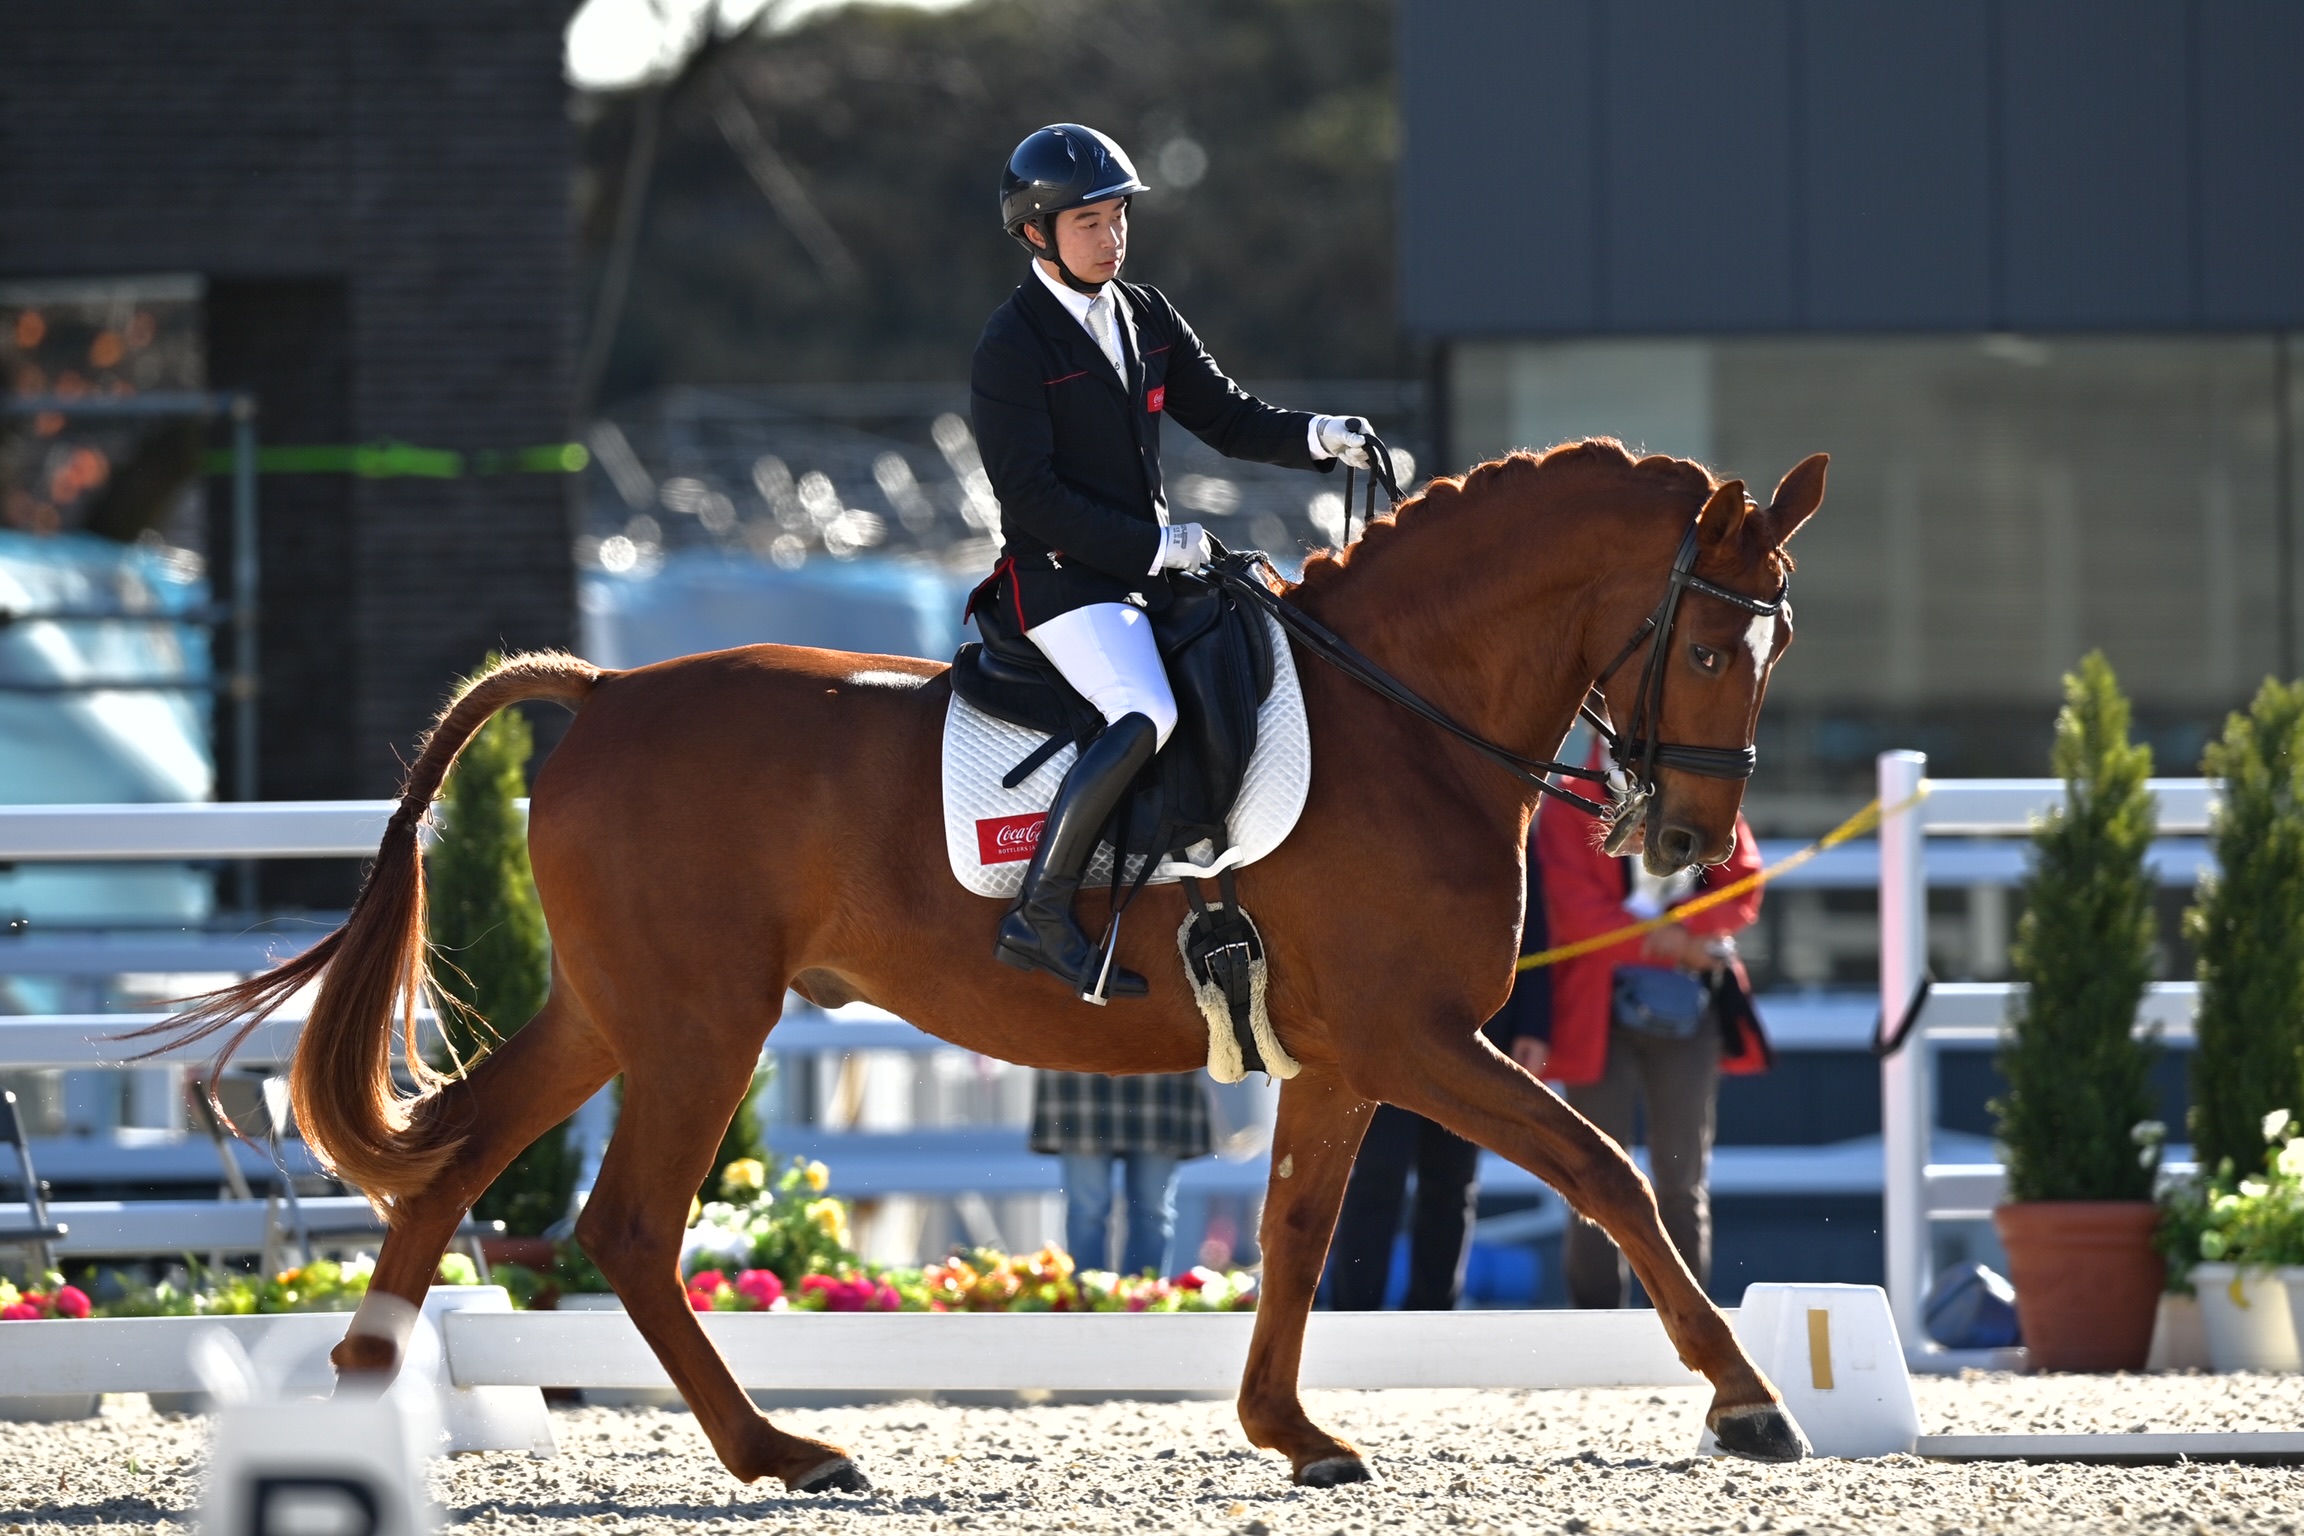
(1061, 166)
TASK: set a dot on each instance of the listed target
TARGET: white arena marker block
(1833, 1353)
(486, 1418)
(349, 1465)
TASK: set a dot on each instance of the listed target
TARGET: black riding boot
(1040, 932)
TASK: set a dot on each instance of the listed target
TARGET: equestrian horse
(716, 830)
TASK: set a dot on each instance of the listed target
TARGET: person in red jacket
(1655, 1019)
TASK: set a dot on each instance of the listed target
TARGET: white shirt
(1098, 314)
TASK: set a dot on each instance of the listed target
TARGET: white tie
(1107, 334)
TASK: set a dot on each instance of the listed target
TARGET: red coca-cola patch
(1008, 839)
(1154, 399)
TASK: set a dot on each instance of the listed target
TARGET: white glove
(1343, 437)
(1183, 547)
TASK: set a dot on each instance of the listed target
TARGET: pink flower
(708, 1281)
(699, 1301)
(71, 1301)
(761, 1287)
(1190, 1280)
(886, 1298)
(21, 1312)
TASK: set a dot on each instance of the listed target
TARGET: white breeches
(1106, 651)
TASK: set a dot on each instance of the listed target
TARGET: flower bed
(323, 1285)
(766, 1246)
(782, 1245)
(34, 1303)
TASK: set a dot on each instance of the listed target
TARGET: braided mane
(1516, 473)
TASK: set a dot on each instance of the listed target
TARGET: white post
(1904, 1097)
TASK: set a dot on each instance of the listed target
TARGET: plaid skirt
(1087, 1112)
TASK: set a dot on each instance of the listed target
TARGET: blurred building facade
(370, 207)
(2029, 270)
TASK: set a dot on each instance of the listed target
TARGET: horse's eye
(1707, 659)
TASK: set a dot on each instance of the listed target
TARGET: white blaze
(1760, 639)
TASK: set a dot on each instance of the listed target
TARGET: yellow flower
(745, 1173)
(817, 1176)
(695, 1209)
(831, 1217)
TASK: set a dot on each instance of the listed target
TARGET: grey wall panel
(1896, 164)
(1690, 166)
(1697, 223)
(2251, 193)
(1496, 177)
(2096, 160)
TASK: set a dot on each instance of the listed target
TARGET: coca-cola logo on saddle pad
(1008, 839)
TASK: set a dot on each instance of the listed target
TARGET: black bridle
(1635, 752)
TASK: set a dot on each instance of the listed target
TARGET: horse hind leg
(677, 1103)
(1313, 1142)
(1466, 1085)
(520, 1090)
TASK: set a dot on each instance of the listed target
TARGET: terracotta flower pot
(2087, 1280)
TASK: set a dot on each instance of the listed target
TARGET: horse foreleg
(1468, 1086)
(1313, 1144)
(676, 1106)
(520, 1090)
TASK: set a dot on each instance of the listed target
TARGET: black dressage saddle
(1219, 661)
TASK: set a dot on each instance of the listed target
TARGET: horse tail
(375, 968)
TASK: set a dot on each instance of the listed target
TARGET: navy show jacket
(1073, 449)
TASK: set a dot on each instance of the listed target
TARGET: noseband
(1636, 750)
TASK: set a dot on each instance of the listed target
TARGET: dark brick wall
(378, 198)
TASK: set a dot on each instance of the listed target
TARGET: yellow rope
(1855, 826)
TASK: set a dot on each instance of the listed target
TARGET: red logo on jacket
(1154, 399)
(1008, 839)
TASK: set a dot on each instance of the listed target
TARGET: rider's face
(1094, 240)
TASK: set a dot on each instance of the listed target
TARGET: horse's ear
(1723, 514)
(1797, 497)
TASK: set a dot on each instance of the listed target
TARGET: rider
(1069, 383)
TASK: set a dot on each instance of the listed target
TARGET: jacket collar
(1056, 321)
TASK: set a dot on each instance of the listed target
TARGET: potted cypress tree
(2079, 1225)
(2247, 928)
(492, 955)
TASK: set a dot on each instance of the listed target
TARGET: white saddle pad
(990, 831)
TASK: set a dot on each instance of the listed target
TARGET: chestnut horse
(715, 830)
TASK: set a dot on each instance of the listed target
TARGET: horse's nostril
(1677, 844)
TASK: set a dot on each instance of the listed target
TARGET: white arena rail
(261, 829)
(1916, 1190)
(912, 1351)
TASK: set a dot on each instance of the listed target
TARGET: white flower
(2291, 1159)
(2276, 1125)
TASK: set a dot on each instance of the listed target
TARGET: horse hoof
(834, 1477)
(1335, 1472)
(1765, 1433)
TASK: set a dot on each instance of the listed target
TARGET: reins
(1636, 752)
